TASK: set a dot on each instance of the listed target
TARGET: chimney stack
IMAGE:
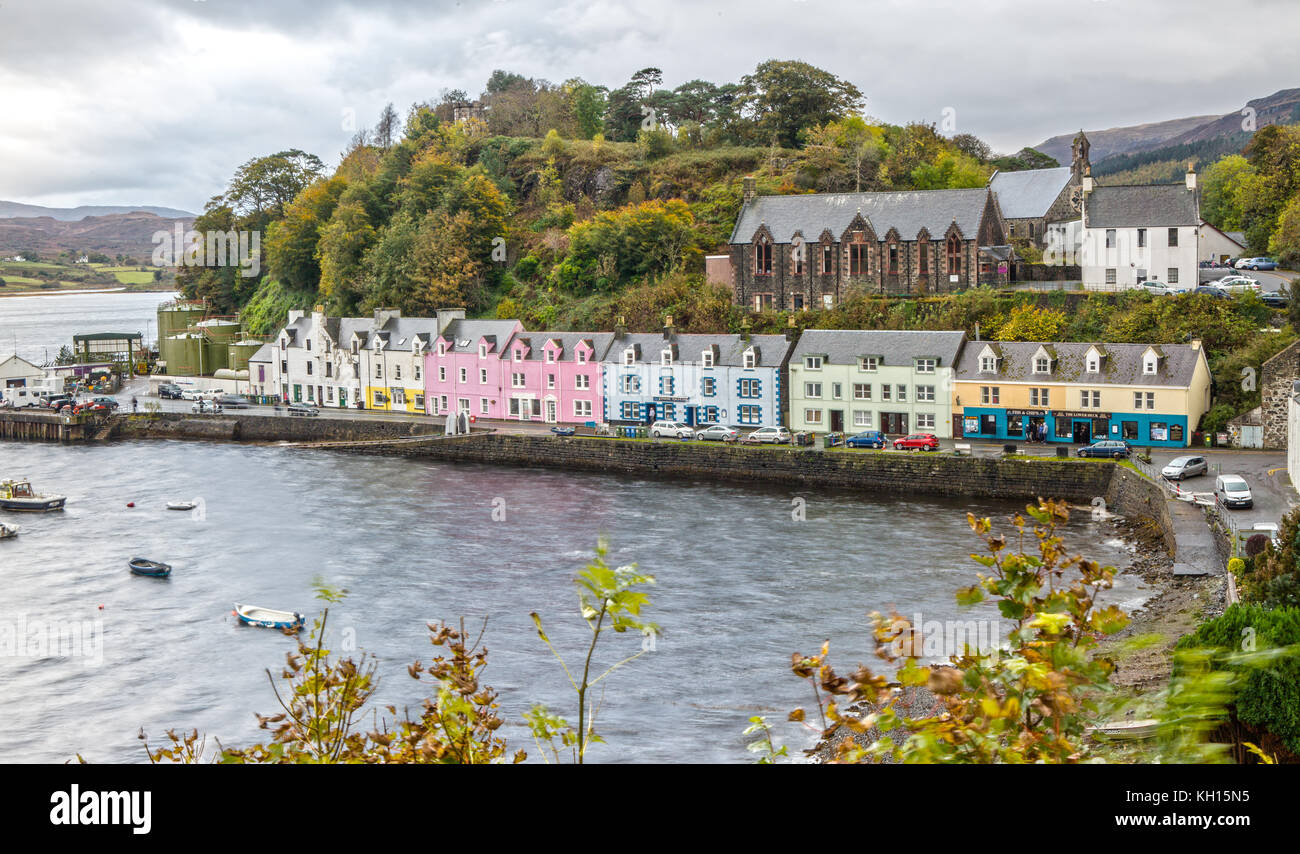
(1191, 177)
(791, 330)
(668, 327)
(620, 327)
(977, 330)
(751, 188)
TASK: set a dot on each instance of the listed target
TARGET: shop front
(1074, 427)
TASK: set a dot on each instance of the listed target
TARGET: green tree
(785, 97)
(291, 242)
(1221, 187)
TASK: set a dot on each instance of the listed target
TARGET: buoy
(130, 504)
(101, 607)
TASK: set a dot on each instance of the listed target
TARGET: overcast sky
(157, 101)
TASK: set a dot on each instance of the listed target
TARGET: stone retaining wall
(267, 428)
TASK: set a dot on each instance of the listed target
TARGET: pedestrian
(135, 405)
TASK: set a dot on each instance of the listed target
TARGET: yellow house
(1147, 394)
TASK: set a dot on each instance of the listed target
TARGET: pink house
(554, 376)
(463, 368)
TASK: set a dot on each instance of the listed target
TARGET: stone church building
(814, 250)
(1035, 200)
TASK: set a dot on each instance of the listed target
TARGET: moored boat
(181, 505)
(151, 568)
(19, 495)
(7, 531)
(269, 618)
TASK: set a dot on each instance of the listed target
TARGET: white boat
(181, 505)
(7, 531)
(269, 618)
(19, 495)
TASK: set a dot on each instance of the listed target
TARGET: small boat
(151, 568)
(268, 618)
(18, 495)
(7, 531)
(564, 431)
(181, 505)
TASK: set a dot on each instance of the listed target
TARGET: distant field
(133, 277)
(21, 276)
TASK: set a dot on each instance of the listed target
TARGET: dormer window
(550, 357)
(629, 356)
(1042, 365)
(706, 358)
(356, 345)
(1149, 365)
(1093, 364)
(442, 349)
(308, 345)
(519, 355)
(482, 351)
(749, 358)
(988, 364)
(869, 363)
(665, 357)
(812, 363)
(925, 366)
(582, 357)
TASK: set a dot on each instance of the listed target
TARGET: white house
(1217, 245)
(393, 358)
(314, 359)
(1134, 234)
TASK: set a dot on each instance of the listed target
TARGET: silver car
(1184, 467)
(772, 435)
(718, 433)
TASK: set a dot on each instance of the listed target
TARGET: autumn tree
(784, 97)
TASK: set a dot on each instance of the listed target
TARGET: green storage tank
(178, 316)
(183, 354)
(241, 352)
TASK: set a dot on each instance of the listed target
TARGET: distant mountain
(18, 209)
(128, 234)
(1181, 136)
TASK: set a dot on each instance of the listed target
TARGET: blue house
(737, 380)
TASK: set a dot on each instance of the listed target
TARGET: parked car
(671, 429)
(233, 401)
(1260, 263)
(1237, 284)
(56, 401)
(867, 439)
(917, 442)
(1212, 291)
(1184, 467)
(718, 433)
(1274, 299)
(302, 409)
(107, 401)
(769, 435)
(1233, 491)
(170, 391)
(1113, 448)
(1160, 289)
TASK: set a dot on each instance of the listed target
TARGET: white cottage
(1136, 234)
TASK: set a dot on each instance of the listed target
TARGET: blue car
(866, 439)
(1256, 264)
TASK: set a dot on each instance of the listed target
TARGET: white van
(1233, 491)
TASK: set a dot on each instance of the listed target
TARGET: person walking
(135, 404)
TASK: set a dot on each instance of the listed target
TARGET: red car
(923, 441)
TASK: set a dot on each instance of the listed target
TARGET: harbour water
(741, 585)
(37, 326)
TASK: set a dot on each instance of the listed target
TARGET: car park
(302, 409)
(1233, 492)
(718, 433)
(1114, 448)
(671, 430)
(769, 435)
(1180, 468)
(866, 439)
(917, 442)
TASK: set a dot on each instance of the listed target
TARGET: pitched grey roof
(1028, 194)
(730, 349)
(908, 212)
(894, 347)
(1141, 206)
(464, 335)
(263, 354)
(1122, 365)
(398, 332)
(599, 342)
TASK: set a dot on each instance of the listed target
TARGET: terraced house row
(820, 380)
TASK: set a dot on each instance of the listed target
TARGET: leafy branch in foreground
(609, 599)
(1028, 702)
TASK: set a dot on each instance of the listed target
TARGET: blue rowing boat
(151, 568)
(268, 618)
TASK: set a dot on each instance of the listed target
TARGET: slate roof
(1029, 193)
(730, 350)
(338, 328)
(908, 212)
(1141, 206)
(464, 335)
(398, 332)
(894, 347)
(568, 341)
(1122, 364)
(263, 354)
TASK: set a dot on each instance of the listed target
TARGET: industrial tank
(241, 352)
(183, 354)
(178, 316)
